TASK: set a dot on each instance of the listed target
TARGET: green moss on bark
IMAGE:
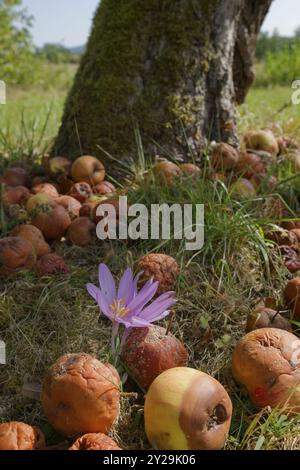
(146, 63)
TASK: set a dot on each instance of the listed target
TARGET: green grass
(271, 106)
(41, 319)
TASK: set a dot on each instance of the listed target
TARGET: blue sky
(69, 21)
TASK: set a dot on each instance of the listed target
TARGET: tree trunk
(174, 69)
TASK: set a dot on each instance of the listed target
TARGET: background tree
(174, 68)
(16, 50)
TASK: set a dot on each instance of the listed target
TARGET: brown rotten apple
(71, 205)
(104, 188)
(16, 176)
(81, 191)
(166, 172)
(88, 169)
(249, 165)
(162, 268)
(46, 188)
(17, 195)
(52, 220)
(148, 352)
(186, 409)
(189, 169)
(292, 296)
(34, 236)
(97, 441)
(81, 395)
(20, 436)
(59, 166)
(15, 254)
(291, 258)
(262, 140)
(81, 232)
(224, 157)
(51, 264)
(266, 362)
(264, 317)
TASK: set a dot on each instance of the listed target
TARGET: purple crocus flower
(127, 306)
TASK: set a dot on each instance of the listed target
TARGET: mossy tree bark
(173, 68)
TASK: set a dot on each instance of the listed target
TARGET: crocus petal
(93, 291)
(158, 307)
(135, 283)
(126, 288)
(104, 306)
(107, 283)
(143, 297)
(160, 316)
(139, 322)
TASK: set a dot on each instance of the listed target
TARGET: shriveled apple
(266, 362)
(52, 220)
(50, 265)
(33, 235)
(81, 395)
(15, 254)
(71, 205)
(266, 318)
(104, 188)
(292, 296)
(20, 436)
(97, 441)
(249, 165)
(186, 409)
(46, 188)
(148, 352)
(81, 191)
(16, 176)
(88, 169)
(161, 268)
(17, 195)
(81, 232)
(224, 157)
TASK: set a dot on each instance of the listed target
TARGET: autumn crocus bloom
(128, 306)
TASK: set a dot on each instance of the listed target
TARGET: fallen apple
(262, 140)
(292, 296)
(81, 191)
(50, 265)
(148, 352)
(81, 232)
(266, 362)
(15, 254)
(97, 441)
(162, 268)
(33, 235)
(88, 169)
(186, 409)
(20, 436)
(81, 395)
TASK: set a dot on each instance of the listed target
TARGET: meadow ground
(41, 319)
